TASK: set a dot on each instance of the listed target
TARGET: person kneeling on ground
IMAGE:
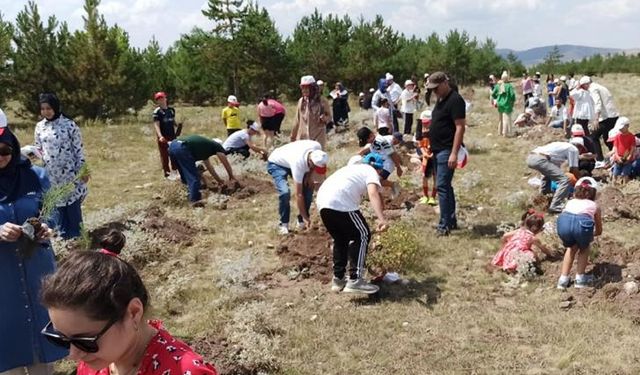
(185, 151)
(547, 160)
(382, 145)
(240, 141)
(101, 320)
(517, 244)
(339, 201)
(525, 119)
(299, 159)
(576, 226)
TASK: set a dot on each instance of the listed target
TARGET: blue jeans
(182, 158)
(446, 195)
(68, 220)
(280, 175)
(575, 230)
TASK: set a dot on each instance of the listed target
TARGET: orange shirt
(425, 148)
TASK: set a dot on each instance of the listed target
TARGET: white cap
(254, 126)
(556, 80)
(577, 129)
(320, 82)
(408, 82)
(577, 141)
(621, 123)
(588, 180)
(388, 76)
(584, 80)
(425, 115)
(372, 90)
(307, 80)
(232, 99)
(319, 158)
(537, 73)
(426, 75)
(563, 78)
(3, 119)
(612, 134)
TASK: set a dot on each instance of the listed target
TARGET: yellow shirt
(232, 115)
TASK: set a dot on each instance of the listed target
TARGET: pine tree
(6, 33)
(552, 59)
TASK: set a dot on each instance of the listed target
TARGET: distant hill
(570, 52)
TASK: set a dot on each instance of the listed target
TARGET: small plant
(28, 243)
(398, 249)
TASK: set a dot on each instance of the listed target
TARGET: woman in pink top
(578, 223)
(271, 113)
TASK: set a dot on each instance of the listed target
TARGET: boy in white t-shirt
(297, 159)
(339, 201)
(240, 142)
(383, 145)
(383, 120)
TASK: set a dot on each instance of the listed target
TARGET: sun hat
(319, 159)
(435, 79)
(388, 76)
(584, 80)
(373, 159)
(307, 80)
(408, 82)
(232, 99)
(159, 94)
(577, 130)
(588, 181)
(621, 123)
(612, 134)
(363, 135)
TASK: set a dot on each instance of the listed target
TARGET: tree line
(98, 74)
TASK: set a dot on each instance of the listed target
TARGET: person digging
(338, 201)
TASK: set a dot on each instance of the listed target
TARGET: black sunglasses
(6, 151)
(86, 344)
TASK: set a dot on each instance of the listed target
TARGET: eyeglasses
(6, 151)
(87, 344)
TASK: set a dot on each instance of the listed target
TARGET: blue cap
(374, 160)
(382, 84)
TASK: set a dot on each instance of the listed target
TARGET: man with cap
(231, 115)
(302, 160)
(240, 141)
(606, 115)
(547, 160)
(446, 135)
(164, 123)
(184, 153)
(338, 201)
(394, 92)
(583, 108)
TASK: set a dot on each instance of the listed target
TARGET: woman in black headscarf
(22, 187)
(58, 139)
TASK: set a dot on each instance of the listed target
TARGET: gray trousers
(550, 172)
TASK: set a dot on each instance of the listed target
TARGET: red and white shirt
(165, 355)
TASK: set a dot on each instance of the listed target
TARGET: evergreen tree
(6, 33)
(552, 59)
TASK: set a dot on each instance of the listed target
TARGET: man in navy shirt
(164, 123)
(446, 135)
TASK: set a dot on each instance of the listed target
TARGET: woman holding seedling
(60, 143)
(22, 186)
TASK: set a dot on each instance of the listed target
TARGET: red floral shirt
(165, 355)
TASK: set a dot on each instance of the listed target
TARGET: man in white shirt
(558, 117)
(299, 159)
(338, 201)
(583, 109)
(394, 92)
(548, 160)
(240, 142)
(606, 115)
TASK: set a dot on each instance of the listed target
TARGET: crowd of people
(101, 320)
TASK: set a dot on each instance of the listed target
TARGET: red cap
(320, 170)
(159, 94)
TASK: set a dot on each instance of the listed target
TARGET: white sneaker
(173, 176)
(283, 229)
(360, 286)
(600, 164)
(301, 225)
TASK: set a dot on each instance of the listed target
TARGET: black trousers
(351, 237)
(408, 122)
(244, 151)
(585, 125)
(604, 128)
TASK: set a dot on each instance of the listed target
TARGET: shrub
(397, 250)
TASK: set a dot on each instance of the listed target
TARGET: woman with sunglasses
(101, 320)
(22, 185)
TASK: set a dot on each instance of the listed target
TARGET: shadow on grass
(427, 292)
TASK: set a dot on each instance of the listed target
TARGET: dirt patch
(169, 229)
(245, 188)
(540, 135)
(307, 255)
(618, 205)
(222, 354)
(406, 200)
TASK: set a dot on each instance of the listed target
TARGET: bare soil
(169, 229)
(225, 355)
(307, 255)
(245, 188)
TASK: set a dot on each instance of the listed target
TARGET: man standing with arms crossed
(446, 136)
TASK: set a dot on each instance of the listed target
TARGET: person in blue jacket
(22, 348)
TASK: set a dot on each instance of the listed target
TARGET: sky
(515, 24)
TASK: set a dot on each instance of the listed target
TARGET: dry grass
(453, 317)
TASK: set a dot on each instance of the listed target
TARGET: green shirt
(504, 98)
(201, 148)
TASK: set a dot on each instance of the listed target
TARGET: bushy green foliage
(399, 249)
